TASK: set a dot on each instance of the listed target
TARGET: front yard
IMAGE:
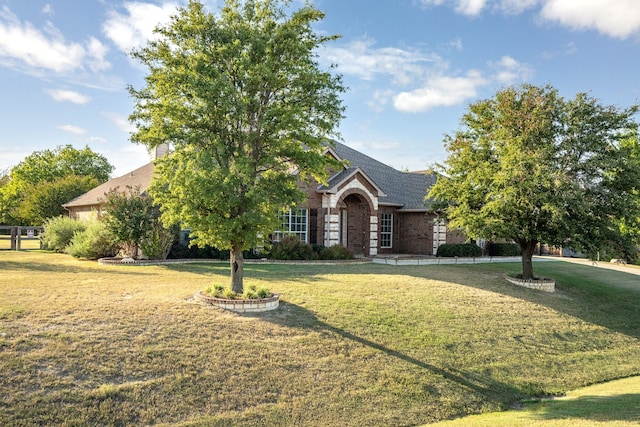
(350, 345)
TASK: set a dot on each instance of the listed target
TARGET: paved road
(600, 264)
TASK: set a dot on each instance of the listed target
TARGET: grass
(25, 244)
(613, 403)
(351, 345)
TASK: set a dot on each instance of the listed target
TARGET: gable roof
(140, 177)
(346, 175)
(404, 189)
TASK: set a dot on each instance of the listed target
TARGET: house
(368, 207)
(88, 204)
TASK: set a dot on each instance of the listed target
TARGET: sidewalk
(599, 264)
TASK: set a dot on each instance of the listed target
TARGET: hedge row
(503, 249)
(459, 250)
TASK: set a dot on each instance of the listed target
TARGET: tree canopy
(242, 99)
(531, 167)
(36, 188)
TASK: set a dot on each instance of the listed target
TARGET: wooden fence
(20, 238)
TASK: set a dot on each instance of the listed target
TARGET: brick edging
(545, 285)
(257, 305)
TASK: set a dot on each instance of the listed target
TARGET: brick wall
(415, 233)
(314, 203)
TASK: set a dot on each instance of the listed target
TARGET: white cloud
(465, 7)
(470, 7)
(121, 122)
(379, 99)
(615, 18)
(96, 53)
(440, 91)
(456, 44)
(48, 9)
(509, 71)
(362, 59)
(566, 50)
(514, 7)
(475, 7)
(22, 44)
(62, 95)
(72, 129)
(134, 27)
(98, 139)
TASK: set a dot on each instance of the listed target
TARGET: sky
(412, 67)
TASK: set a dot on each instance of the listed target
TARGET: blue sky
(412, 67)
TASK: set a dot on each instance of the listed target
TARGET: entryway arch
(355, 214)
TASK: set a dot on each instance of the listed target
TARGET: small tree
(129, 216)
(248, 111)
(532, 167)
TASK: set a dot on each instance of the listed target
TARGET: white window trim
(386, 233)
(302, 235)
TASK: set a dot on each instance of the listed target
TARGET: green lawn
(614, 403)
(351, 345)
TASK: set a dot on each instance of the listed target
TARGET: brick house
(371, 208)
(368, 207)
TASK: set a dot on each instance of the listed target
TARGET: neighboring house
(368, 207)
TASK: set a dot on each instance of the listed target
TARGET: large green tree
(44, 200)
(36, 188)
(530, 166)
(242, 99)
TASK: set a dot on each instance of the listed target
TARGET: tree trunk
(527, 248)
(237, 269)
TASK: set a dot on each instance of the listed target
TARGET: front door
(356, 216)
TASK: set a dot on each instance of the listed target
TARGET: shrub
(459, 249)
(215, 290)
(253, 292)
(59, 231)
(503, 249)
(336, 252)
(229, 294)
(180, 251)
(263, 293)
(291, 248)
(319, 249)
(94, 242)
(159, 241)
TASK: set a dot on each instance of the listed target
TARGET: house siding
(415, 233)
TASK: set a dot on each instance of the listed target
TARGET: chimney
(159, 151)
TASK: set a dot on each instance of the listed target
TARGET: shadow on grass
(43, 267)
(603, 297)
(585, 292)
(622, 407)
(487, 388)
(269, 272)
(597, 296)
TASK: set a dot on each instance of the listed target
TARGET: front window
(293, 223)
(386, 230)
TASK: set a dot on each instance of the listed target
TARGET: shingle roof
(404, 189)
(140, 177)
(401, 188)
